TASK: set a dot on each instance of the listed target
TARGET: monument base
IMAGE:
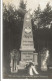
(26, 58)
(29, 56)
(44, 68)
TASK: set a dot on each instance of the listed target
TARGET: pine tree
(22, 7)
(46, 16)
(37, 16)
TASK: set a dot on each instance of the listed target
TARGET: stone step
(20, 67)
(22, 63)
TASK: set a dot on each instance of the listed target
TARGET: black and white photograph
(27, 39)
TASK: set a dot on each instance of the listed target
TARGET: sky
(31, 4)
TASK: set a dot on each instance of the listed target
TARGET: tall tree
(12, 27)
(36, 18)
(46, 16)
(22, 7)
(22, 4)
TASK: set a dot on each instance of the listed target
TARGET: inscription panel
(26, 56)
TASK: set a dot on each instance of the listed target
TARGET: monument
(27, 44)
(27, 47)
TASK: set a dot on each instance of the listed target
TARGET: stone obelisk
(27, 44)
